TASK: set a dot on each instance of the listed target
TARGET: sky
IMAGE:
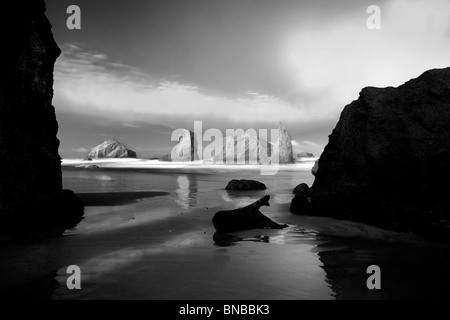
(139, 69)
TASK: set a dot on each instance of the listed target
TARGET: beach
(148, 234)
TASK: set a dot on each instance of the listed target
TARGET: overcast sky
(139, 69)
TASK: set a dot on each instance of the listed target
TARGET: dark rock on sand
(32, 201)
(301, 205)
(387, 160)
(246, 218)
(302, 189)
(111, 149)
(245, 185)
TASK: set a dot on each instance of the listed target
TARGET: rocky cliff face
(186, 149)
(285, 143)
(245, 149)
(111, 149)
(387, 161)
(30, 171)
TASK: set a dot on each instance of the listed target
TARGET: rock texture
(248, 145)
(111, 149)
(245, 185)
(32, 200)
(285, 146)
(246, 218)
(305, 155)
(186, 149)
(387, 160)
(245, 149)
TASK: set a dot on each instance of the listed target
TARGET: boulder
(111, 149)
(32, 201)
(245, 185)
(186, 149)
(387, 160)
(302, 189)
(246, 218)
(301, 205)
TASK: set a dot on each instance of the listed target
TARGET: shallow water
(165, 247)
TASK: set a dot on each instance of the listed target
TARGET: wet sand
(150, 245)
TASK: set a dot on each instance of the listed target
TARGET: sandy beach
(156, 241)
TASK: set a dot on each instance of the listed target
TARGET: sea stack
(247, 148)
(111, 149)
(186, 149)
(387, 160)
(32, 200)
(285, 146)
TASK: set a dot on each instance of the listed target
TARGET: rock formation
(111, 149)
(301, 204)
(245, 149)
(387, 160)
(305, 155)
(246, 218)
(285, 146)
(245, 185)
(32, 201)
(302, 189)
(186, 149)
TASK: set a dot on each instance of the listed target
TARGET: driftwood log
(246, 218)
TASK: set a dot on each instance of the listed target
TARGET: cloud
(334, 61)
(89, 83)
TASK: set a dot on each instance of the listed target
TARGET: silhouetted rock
(111, 149)
(32, 201)
(301, 205)
(305, 155)
(387, 161)
(186, 149)
(245, 185)
(246, 218)
(285, 146)
(302, 189)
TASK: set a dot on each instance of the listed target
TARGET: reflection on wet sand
(290, 235)
(187, 191)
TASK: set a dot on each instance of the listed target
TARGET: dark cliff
(387, 161)
(31, 195)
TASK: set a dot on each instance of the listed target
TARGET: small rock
(302, 189)
(245, 185)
